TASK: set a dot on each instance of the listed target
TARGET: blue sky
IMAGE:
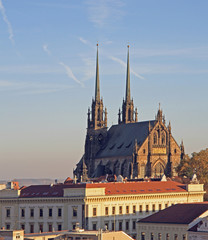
(47, 74)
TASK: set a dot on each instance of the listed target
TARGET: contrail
(10, 31)
(124, 64)
(68, 70)
(70, 73)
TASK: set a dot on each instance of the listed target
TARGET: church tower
(128, 113)
(96, 125)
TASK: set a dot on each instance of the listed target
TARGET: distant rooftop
(178, 214)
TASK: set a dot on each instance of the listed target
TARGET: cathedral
(130, 148)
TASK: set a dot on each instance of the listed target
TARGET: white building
(178, 222)
(117, 205)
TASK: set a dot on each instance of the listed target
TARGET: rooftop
(111, 188)
(178, 214)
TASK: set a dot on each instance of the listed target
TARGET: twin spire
(97, 117)
(97, 80)
(128, 95)
(129, 115)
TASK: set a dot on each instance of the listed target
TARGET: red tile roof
(111, 188)
(178, 214)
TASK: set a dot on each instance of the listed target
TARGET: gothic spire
(128, 95)
(97, 80)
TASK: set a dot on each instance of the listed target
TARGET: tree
(197, 163)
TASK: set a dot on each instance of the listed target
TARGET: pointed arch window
(163, 139)
(129, 114)
(98, 116)
(155, 140)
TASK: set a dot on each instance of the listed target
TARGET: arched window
(129, 114)
(155, 138)
(98, 116)
(159, 169)
(163, 139)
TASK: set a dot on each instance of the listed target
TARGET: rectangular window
(59, 227)
(153, 207)
(106, 211)
(94, 212)
(134, 209)
(140, 208)
(23, 226)
(31, 213)
(113, 210)
(152, 236)
(134, 225)
(120, 209)
(166, 205)
(31, 228)
(127, 209)
(50, 212)
(120, 226)
(112, 226)
(142, 236)
(23, 212)
(160, 207)
(127, 226)
(159, 236)
(147, 208)
(106, 225)
(167, 236)
(50, 227)
(176, 237)
(7, 226)
(59, 212)
(184, 236)
(94, 226)
(41, 212)
(40, 227)
(75, 212)
(8, 213)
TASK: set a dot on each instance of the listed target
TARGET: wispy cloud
(102, 11)
(70, 73)
(9, 26)
(185, 52)
(29, 87)
(30, 69)
(83, 40)
(68, 70)
(121, 62)
(45, 49)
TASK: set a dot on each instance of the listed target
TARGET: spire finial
(128, 95)
(97, 80)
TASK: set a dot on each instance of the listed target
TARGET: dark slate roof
(121, 139)
(178, 214)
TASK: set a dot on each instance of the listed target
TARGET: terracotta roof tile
(111, 188)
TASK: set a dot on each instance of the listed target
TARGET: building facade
(131, 148)
(115, 205)
(177, 222)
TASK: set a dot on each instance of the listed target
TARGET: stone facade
(132, 149)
